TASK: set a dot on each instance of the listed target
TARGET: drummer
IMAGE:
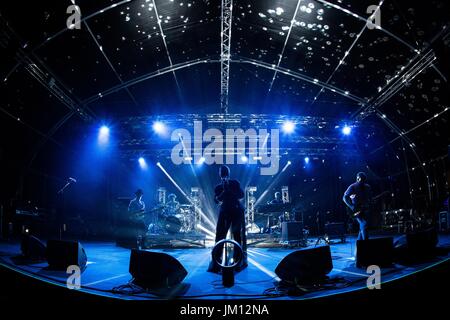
(172, 205)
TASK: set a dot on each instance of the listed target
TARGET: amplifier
(444, 224)
(335, 230)
(291, 231)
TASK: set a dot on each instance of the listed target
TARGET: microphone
(72, 180)
(225, 184)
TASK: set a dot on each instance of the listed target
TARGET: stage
(107, 268)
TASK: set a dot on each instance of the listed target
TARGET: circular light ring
(216, 251)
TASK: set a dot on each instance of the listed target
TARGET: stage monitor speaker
(155, 269)
(379, 252)
(305, 265)
(62, 253)
(291, 231)
(422, 242)
(32, 248)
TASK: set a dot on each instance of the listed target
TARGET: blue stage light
(306, 160)
(103, 135)
(142, 163)
(346, 130)
(288, 126)
(159, 127)
(244, 159)
(201, 160)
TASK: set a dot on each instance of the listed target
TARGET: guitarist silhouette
(358, 197)
(136, 214)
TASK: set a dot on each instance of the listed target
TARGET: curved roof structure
(314, 58)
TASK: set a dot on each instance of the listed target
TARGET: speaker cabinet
(375, 252)
(335, 230)
(422, 243)
(291, 231)
(32, 248)
(305, 265)
(155, 269)
(61, 254)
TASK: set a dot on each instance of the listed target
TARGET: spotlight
(104, 130)
(288, 126)
(201, 160)
(244, 159)
(159, 127)
(103, 135)
(346, 130)
(286, 166)
(202, 214)
(142, 163)
(306, 160)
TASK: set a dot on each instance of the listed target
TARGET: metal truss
(163, 37)
(401, 80)
(301, 76)
(244, 121)
(53, 86)
(133, 154)
(37, 69)
(347, 53)
(285, 43)
(225, 53)
(187, 64)
(147, 76)
(102, 51)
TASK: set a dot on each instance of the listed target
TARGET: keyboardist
(277, 199)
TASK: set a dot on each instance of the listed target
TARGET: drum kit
(181, 220)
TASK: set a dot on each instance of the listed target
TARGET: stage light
(159, 127)
(203, 215)
(209, 232)
(103, 135)
(306, 160)
(346, 130)
(201, 160)
(244, 158)
(288, 126)
(273, 183)
(286, 166)
(143, 163)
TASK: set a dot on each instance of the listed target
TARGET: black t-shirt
(231, 195)
(362, 194)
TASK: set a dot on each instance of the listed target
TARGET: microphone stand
(61, 224)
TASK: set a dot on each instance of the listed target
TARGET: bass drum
(172, 224)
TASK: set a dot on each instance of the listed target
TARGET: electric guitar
(141, 214)
(359, 211)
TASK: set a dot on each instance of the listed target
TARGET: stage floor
(108, 268)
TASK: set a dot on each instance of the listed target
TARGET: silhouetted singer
(231, 213)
